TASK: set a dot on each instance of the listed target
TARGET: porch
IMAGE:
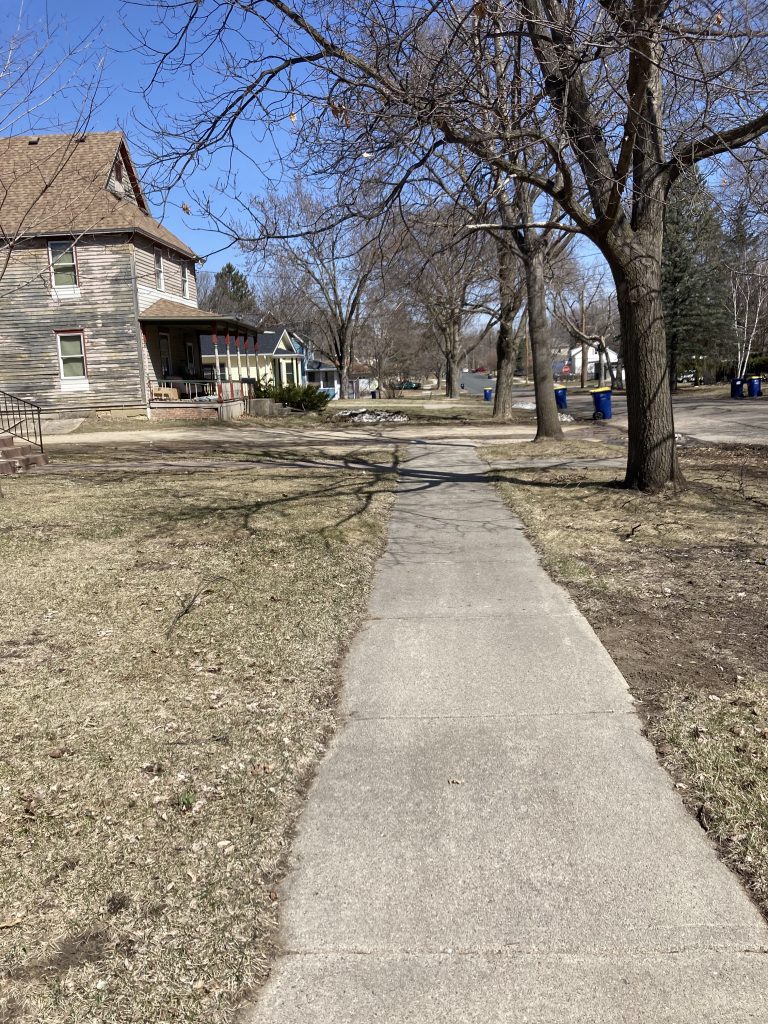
(183, 380)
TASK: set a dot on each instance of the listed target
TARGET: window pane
(59, 249)
(64, 276)
(71, 345)
(73, 367)
(64, 267)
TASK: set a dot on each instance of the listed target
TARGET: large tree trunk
(547, 420)
(507, 341)
(343, 359)
(652, 459)
(451, 376)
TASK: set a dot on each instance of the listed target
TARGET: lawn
(169, 663)
(676, 587)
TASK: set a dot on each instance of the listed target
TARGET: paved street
(697, 414)
(490, 838)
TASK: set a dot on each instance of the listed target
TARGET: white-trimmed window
(63, 261)
(72, 365)
(159, 274)
(185, 280)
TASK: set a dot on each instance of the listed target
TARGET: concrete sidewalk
(490, 838)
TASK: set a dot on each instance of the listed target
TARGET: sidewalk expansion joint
(532, 952)
(492, 716)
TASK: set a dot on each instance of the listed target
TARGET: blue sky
(124, 72)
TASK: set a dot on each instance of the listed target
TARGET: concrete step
(12, 451)
(22, 463)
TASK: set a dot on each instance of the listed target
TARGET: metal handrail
(21, 418)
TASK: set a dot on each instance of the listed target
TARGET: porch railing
(178, 389)
(21, 418)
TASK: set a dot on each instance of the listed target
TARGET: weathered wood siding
(145, 275)
(105, 310)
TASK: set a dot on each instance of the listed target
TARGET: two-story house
(98, 301)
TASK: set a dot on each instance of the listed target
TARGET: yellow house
(272, 355)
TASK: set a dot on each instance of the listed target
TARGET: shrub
(309, 398)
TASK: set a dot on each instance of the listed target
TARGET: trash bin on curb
(737, 388)
(487, 394)
(462, 385)
(754, 387)
(561, 396)
(601, 398)
(373, 394)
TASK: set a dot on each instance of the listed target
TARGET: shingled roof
(168, 311)
(58, 185)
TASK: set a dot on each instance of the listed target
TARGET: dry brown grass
(152, 762)
(575, 446)
(676, 586)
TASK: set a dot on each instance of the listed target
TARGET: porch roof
(167, 311)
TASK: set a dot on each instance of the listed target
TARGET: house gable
(67, 186)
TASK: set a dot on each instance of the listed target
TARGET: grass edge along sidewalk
(169, 659)
(676, 587)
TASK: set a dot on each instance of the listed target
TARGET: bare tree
(449, 278)
(330, 260)
(746, 263)
(583, 305)
(623, 96)
(45, 86)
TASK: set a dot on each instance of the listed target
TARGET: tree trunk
(652, 458)
(584, 363)
(342, 364)
(547, 420)
(507, 341)
(451, 376)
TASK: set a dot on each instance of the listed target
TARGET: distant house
(98, 301)
(324, 375)
(284, 353)
(272, 355)
(595, 362)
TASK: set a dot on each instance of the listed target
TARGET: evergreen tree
(694, 277)
(230, 293)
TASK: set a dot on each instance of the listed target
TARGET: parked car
(409, 385)
(481, 369)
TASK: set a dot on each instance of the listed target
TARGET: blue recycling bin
(561, 396)
(462, 385)
(601, 397)
(754, 387)
(737, 388)
(487, 394)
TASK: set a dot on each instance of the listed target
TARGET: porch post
(239, 364)
(229, 365)
(216, 370)
(247, 357)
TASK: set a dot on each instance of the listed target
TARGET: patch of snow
(523, 405)
(564, 417)
(366, 416)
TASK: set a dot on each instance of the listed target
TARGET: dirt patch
(168, 678)
(676, 587)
